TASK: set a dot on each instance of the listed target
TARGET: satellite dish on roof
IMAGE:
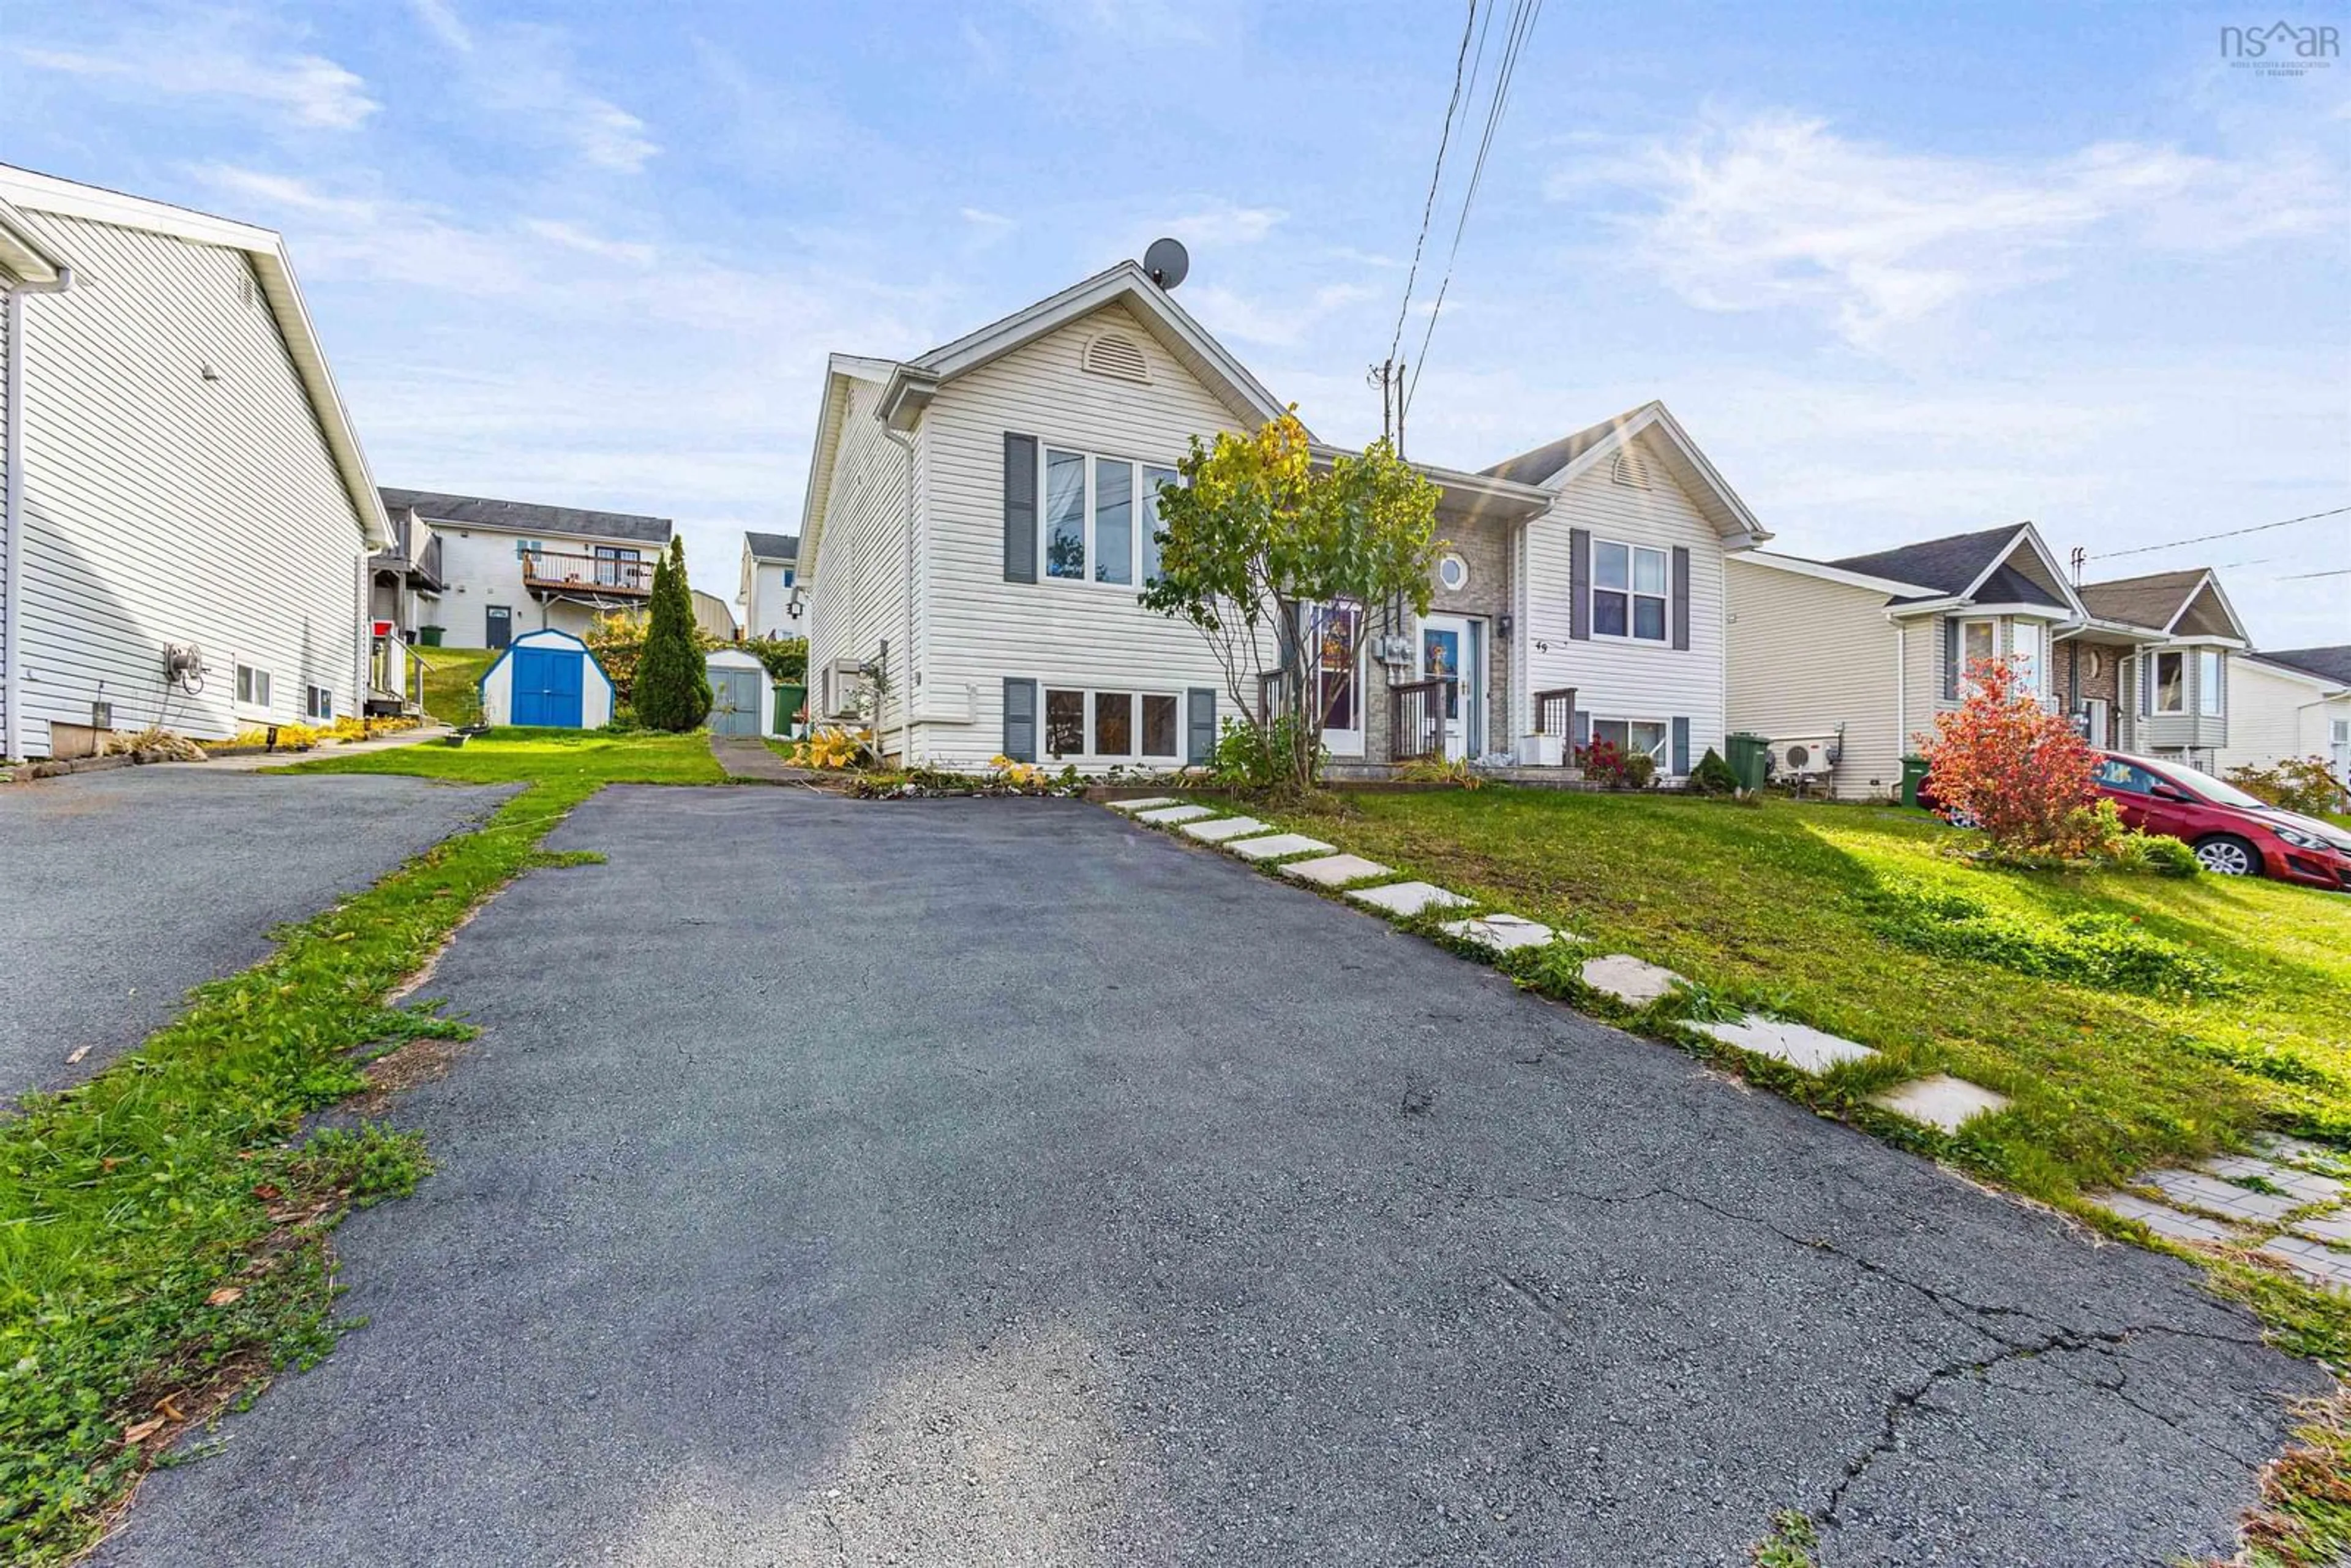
(1166, 262)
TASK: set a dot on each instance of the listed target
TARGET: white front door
(1454, 647)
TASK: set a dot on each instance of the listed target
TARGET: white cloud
(573, 237)
(1224, 222)
(1231, 314)
(526, 72)
(1780, 212)
(311, 90)
(986, 228)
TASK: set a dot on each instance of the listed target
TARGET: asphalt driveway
(995, 1181)
(121, 890)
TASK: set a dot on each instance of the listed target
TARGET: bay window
(2207, 682)
(2024, 655)
(1630, 584)
(2167, 681)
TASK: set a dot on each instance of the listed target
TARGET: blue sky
(1901, 270)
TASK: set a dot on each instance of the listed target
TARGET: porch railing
(1416, 719)
(1555, 712)
(1269, 693)
(590, 573)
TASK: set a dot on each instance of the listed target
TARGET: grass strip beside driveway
(163, 1239)
(569, 758)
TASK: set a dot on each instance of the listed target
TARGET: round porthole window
(1453, 572)
(2097, 665)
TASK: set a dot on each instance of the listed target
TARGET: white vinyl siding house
(998, 595)
(2280, 711)
(188, 479)
(510, 567)
(764, 585)
(1080, 633)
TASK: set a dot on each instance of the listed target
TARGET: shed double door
(547, 686)
(734, 702)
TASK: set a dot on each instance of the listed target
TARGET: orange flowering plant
(2003, 763)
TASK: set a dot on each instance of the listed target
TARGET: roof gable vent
(1116, 355)
(1630, 469)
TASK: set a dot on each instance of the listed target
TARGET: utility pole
(1399, 402)
(1382, 375)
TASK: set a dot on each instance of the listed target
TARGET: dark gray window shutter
(1681, 747)
(1950, 659)
(1579, 586)
(1681, 609)
(1020, 509)
(1020, 720)
(1200, 737)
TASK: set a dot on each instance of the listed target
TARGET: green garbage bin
(788, 699)
(429, 636)
(1914, 773)
(1749, 755)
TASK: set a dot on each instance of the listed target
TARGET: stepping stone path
(1939, 1100)
(1629, 979)
(1218, 830)
(1503, 933)
(1275, 845)
(1409, 898)
(1163, 815)
(1336, 871)
(2292, 1226)
(1801, 1046)
(1144, 804)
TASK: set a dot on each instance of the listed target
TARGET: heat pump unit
(1804, 755)
(845, 686)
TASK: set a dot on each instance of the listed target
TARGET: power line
(2225, 534)
(1523, 14)
(1428, 208)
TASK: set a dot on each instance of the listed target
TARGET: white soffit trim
(266, 252)
(22, 255)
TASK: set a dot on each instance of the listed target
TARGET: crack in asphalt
(2062, 1340)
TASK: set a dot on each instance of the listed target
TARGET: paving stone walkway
(2288, 1203)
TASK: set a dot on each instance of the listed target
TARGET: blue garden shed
(549, 680)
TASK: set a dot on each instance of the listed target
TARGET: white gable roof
(1562, 462)
(266, 251)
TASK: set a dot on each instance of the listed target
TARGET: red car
(2234, 833)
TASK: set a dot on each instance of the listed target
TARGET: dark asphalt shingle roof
(2329, 664)
(527, 516)
(2150, 601)
(1534, 467)
(2007, 585)
(1945, 564)
(773, 547)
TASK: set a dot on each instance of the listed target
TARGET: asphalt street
(996, 1181)
(119, 890)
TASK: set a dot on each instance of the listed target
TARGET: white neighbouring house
(2292, 703)
(187, 510)
(978, 522)
(503, 567)
(764, 589)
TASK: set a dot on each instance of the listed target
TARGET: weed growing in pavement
(164, 1228)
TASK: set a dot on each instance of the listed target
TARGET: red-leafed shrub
(2006, 764)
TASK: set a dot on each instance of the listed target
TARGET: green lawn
(542, 756)
(453, 681)
(1777, 908)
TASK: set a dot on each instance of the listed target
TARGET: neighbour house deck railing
(1555, 713)
(587, 573)
(1416, 719)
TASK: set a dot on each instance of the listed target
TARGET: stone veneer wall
(1485, 547)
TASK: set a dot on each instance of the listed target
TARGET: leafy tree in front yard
(672, 687)
(1258, 536)
(2003, 763)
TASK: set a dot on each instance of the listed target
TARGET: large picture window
(2024, 655)
(1083, 725)
(1102, 519)
(1630, 587)
(1628, 735)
